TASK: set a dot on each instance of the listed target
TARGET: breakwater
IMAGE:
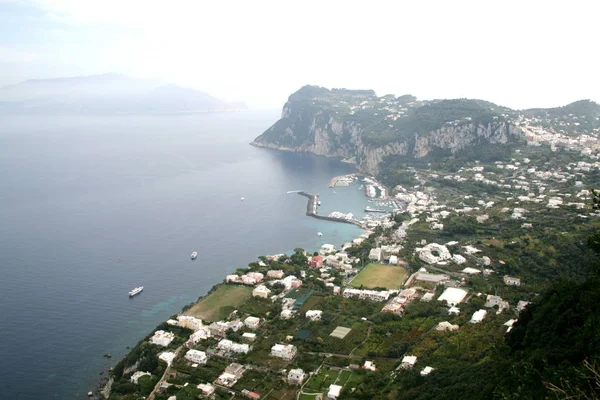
(311, 211)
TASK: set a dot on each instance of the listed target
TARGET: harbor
(311, 211)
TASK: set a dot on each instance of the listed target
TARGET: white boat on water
(319, 233)
(194, 255)
(135, 291)
(242, 199)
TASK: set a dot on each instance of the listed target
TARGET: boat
(194, 255)
(242, 199)
(135, 291)
(319, 203)
(319, 233)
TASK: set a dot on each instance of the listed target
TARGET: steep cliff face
(360, 125)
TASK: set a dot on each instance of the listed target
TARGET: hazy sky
(516, 53)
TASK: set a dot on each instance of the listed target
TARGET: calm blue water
(91, 207)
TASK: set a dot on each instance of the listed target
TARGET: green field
(327, 376)
(220, 303)
(377, 275)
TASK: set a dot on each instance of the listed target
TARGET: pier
(311, 211)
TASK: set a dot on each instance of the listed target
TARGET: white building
(137, 375)
(375, 254)
(446, 326)
(285, 351)
(261, 291)
(206, 388)
(252, 322)
(228, 345)
(334, 392)
(453, 296)
(326, 249)
(478, 316)
(511, 281)
(426, 371)
(471, 271)
(373, 295)
(314, 315)
(196, 356)
(275, 274)
(286, 314)
(167, 356)
(370, 366)
(251, 337)
(162, 338)
(408, 361)
(296, 376)
(394, 260)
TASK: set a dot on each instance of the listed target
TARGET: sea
(91, 207)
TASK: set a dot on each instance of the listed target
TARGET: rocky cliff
(367, 128)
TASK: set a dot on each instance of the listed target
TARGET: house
(326, 249)
(427, 296)
(167, 356)
(336, 290)
(226, 379)
(373, 295)
(196, 356)
(492, 301)
(251, 337)
(285, 351)
(426, 371)
(276, 274)
(316, 262)
(206, 388)
(521, 305)
(250, 395)
(453, 311)
(219, 328)
(257, 276)
(408, 362)
(162, 338)
(511, 281)
(186, 321)
(252, 322)
(453, 296)
(201, 334)
(446, 326)
(394, 260)
(334, 392)
(235, 369)
(375, 254)
(478, 316)
(296, 376)
(137, 375)
(286, 314)
(261, 291)
(229, 346)
(314, 315)
(370, 366)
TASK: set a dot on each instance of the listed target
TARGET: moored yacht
(194, 255)
(135, 291)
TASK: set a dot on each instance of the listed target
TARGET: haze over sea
(91, 207)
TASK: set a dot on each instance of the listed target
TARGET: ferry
(135, 291)
(194, 255)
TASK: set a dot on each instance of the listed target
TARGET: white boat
(194, 255)
(242, 199)
(319, 233)
(135, 291)
(319, 203)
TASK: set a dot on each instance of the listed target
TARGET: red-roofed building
(316, 262)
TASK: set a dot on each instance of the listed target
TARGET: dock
(311, 211)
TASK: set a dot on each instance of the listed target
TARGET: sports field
(220, 303)
(378, 275)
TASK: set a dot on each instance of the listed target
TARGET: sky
(519, 54)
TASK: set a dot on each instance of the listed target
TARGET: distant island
(107, 94)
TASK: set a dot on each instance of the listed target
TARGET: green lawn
(377, 275)
(220, 303)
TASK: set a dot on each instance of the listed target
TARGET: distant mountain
(372, 131)
(106, 94)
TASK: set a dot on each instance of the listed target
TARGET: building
(492, 301)
(521, 305)
(511, 281)
(206, 388)
(261, 291)
(314, 315)
(370, 366)
(375, 254)
(478, 316)
(196, 356)
(252, 322)
(408, 362)
(446, 326)
(137, 375)
(235, 369)
(167, 356)
(426, 371)
(250, 395)
(394, 260)
(427, 296)
(334, 392)
(251, 337)
(201, 334)
(229, 346)
(453, 296)
(162, 338)
(275, 274)
(186, 321)
(326, 249)
(373, 295)
(285, 351)
(296, 376)
(286, 314)
(453, 311)
(316, 262)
